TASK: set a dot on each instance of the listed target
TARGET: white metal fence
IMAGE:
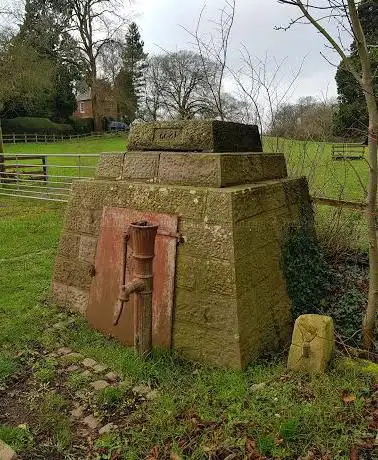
(27, 138)
(45, 176)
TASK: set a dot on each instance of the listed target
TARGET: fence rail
(44, 177)
(355, 205)
(27, 138)
(50, 177)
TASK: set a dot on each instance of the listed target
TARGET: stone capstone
(312, 344)
(195, 135)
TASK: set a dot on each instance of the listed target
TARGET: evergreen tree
(130, 79)
(45, 29)
(351, 119)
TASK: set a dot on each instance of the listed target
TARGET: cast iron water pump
(141, 236)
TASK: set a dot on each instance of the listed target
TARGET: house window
(81, 107)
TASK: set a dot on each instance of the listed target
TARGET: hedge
(31, 125)
(82, 125)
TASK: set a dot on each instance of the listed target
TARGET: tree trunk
(371, 311)
(97, 118)
(96, 110)
(1, 140)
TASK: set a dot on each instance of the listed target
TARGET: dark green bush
(347, 312)
(31, 125)
(337, 289)
(82, 125)
(307, 273)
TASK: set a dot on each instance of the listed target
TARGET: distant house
(84, 105)
(106, 103)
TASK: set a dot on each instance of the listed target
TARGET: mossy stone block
(195, 135)
(360, 366)
(212, 346)
(203, 169)
(213, 311)
(312, 344)
(110, 165)
(141, 166)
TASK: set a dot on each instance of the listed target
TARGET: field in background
(342, 179)
(108, 144)
(337, 179)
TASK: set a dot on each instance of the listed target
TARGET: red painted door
(106, 283)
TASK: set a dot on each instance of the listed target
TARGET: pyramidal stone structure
(223, 208)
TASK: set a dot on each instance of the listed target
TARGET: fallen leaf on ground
(348, 398)
(354, 453)
(251, 450)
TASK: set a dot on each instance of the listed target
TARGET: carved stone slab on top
(195, 136)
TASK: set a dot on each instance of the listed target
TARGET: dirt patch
(53, 399)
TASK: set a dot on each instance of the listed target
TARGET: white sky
(161, 23)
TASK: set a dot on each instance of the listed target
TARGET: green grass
(63, 168)
(105, 144)
(200, 412)
(338, 179)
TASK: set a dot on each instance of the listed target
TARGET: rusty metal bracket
(175, 235)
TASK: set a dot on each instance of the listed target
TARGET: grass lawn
(197, 412)
(338, 179)
(97, 145)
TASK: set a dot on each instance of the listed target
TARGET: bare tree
(261, 82)
(177, 86)
(344, 14)
(215, 48)
(95, 24)
(307, 119)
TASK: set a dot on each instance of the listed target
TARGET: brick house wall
(84, 109)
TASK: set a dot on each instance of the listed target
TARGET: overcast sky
(162, 25)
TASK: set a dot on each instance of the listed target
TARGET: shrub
(82, 125)
(306, 271)
(31, 125)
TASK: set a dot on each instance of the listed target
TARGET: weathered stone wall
(230, 299)
(231, 304)
(198, 169)
(259, 234)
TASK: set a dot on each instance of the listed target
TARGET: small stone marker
(6, 452)
(312, 344)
